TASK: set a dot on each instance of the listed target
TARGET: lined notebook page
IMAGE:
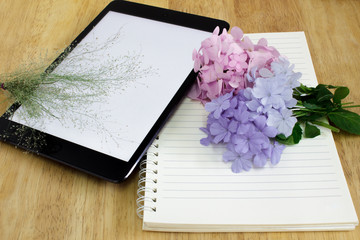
(196, 190)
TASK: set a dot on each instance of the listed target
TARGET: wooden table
(40, 199)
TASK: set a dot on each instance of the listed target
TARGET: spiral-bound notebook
(185, 186)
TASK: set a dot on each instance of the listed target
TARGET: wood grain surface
(41, 199)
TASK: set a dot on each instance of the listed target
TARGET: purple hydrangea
(249, 120)
(218, 105)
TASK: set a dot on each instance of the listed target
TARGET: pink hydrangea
(224, 62)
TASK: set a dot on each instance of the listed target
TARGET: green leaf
(340, 93)
(314, 116)
(331, 86)
(294, 138)
(304, 89)
(346, 120)
(282, 139)
(325, 86)
(297, 133)
(323, 94)
(311, 131)
(311, 106)
(320, 86)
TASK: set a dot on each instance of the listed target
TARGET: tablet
(150, 49)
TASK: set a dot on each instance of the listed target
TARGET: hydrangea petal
(260, 159)
(276, 153)
(229, 156)
(260, 122)
(233, 125)
(237, 166)
(270, 131)
(237, 33)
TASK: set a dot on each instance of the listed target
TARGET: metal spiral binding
(147, 175)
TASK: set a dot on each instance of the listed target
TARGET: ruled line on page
(253, 175)
(204, 161)
(226, 167)
(221, 147)
(248, 198)
(251, 190)
(255, 182)
(169, 143)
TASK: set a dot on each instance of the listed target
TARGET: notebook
(185, 186)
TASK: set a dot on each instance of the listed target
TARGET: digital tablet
(149, 50)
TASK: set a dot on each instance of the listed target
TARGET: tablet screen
(142, 64)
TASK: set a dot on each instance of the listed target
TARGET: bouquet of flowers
(255, 102)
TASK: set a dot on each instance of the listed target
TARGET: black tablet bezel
(88, 160)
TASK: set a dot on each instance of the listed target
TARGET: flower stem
(351, 106)
(334, 129)
(300, 114)
(342, 104)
